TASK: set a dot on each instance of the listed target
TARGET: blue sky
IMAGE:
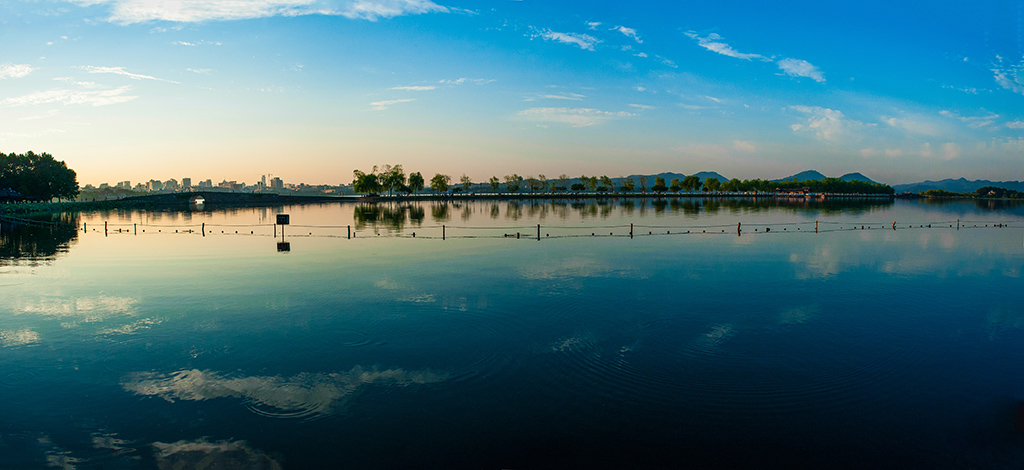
(309, 90)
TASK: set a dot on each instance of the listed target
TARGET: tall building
(186, 183)
(276, 183)
(154, 185)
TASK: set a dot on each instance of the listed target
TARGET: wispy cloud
(801, 68)
(711, 42)
(914, 125)
(382, 105)
(1015, 125)
(584, 41)
(464, 81)
(197, 43)
(192, 11)
(71, 97)
(375, 9)
(414, 88)
(123, 72)
(575, 117)
(974, 122)
(1011, 78)
(201, 71)
(642, 106)
(15, 70)
(629, 32)
(565, 96)
(81, 84)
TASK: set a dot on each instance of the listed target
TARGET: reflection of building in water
(36, 241)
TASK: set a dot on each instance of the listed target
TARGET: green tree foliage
(439, 183)
(416, 182)
(997, 192)
(512, 182)
(592, 183)
(563, 181)
(495, 183)
(659, 185)
(628, 185)
(37, 176)
(712, 184)
(691, 183)
(675, 186)
(466, 181)
(606, 183)
(643, 184)
(367, 183)
(392, 178)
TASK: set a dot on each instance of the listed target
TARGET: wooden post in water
(275, 230)
(738, 224)
(85, 226)
(104, 228)
(349, 231)
(958, 224)
(442, 232)
(538, 232)
(135, 229)
(815, 226)
(631, 230)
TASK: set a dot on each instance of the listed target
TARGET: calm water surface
(688, 345)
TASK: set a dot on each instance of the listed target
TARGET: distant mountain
(856, 177)
(803, 176)
(961, 185)
(703, 175)
(669, 176)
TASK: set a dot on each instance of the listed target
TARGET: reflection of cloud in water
(714, 337)
(86, 309)
(425, 298)
(797, 315)
(20, 337)
(213, 455)
(130, 328)
(576, 268)
(298, 396)
(386, 283)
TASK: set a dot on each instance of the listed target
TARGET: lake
(710, 333)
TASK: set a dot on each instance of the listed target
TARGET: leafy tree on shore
(675, 187)
(495, 183)
(416, 182)
(643, 184)
(439, 183)
(712, 184)
(607, 183)
(368, 183)
(691, 183)
(37, 176)
(628, 185)
(392, 178)
(659, 185)
(563, 181)
(512, 182)
(466, 182)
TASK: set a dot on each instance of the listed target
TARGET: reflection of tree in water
(467, 212)
(513, 210)
(388, 216)
(495, 210)
(37, 242)
(439, 211)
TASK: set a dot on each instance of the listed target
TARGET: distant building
(276, 183)
(186, 183)
(171, 185)
(154, 185)
(206, 184)
(104, 185)
(124, 185)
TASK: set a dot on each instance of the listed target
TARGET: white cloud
(382, 105)
(950, 150)
(828, 125)
(914, 126)
(198, 43)
(190, 11)
(712, 98)
(463, 81)
(584, 41)
(641, 54)
(81, 84)
(414, 88)
(642, 106)
(640, 88)
(926, 150)
(974, 122)
(576, 117)
(801, 68)
(629, 32)
(868, 152)
(15, 70)
(711, 43)
(565, 96)
(71, 97)
(593, 25)
(1010, 79)
(374, 9)
(202, 71)
(123, 72)
(744, 146)
(893, 152)
(1015, 125)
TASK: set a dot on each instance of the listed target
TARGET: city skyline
(124, 89)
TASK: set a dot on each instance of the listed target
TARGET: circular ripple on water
(18, 377)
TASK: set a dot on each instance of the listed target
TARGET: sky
(309, 90)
